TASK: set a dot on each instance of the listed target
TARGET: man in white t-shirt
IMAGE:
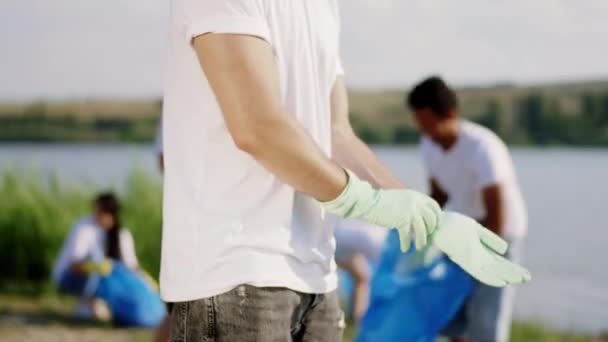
(471, 172)
(258, 150)
(254, 108)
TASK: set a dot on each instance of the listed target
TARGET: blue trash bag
(131, 300)
(411, 301)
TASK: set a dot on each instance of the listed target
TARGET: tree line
(531, 118)
(542, 120)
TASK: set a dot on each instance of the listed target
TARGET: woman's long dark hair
(109, 204)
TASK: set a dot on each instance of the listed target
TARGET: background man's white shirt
(227, 220)
(477, 160)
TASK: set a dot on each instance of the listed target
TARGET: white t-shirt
(359, 237)
(477, 160)
(87, 241)
(227, 220)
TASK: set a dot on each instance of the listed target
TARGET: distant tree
(491, 117)
(35, 109)
(591, 107)
(405, 135)
(532, 118)
(602, 117)
(394, 111)
(363, 129)
(369, 135)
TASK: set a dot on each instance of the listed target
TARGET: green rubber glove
(103, 267)
(413, 214)
(477, 250)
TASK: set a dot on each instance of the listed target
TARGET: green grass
(37, 212)
(48, 317)
(530, 332)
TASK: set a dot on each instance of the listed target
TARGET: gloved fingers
(430, 220)
(491, 240)
(405, 238)
(436, 209)
(484, 275)
(490, 277)
(504, 270)
(526, 274)
(510, 271)
(420, 232)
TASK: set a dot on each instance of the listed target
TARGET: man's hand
(477, 250)
(413, 214)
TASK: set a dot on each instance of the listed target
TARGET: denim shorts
(248, 313)
(486, 314)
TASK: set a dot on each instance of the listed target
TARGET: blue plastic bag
(411, 301)
(131, 300)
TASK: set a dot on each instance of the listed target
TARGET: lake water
(566, 191)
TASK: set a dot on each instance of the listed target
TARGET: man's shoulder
(476, 131)
(479, 137)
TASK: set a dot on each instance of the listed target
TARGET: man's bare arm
(242, 73)
(349, 151)
(437, 193)
(495, 209)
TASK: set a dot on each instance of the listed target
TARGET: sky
(116, 48)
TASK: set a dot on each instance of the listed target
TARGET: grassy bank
(48, 318)
(37, 212)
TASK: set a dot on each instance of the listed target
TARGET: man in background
(471, 172)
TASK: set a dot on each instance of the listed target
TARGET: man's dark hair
(434, 94)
